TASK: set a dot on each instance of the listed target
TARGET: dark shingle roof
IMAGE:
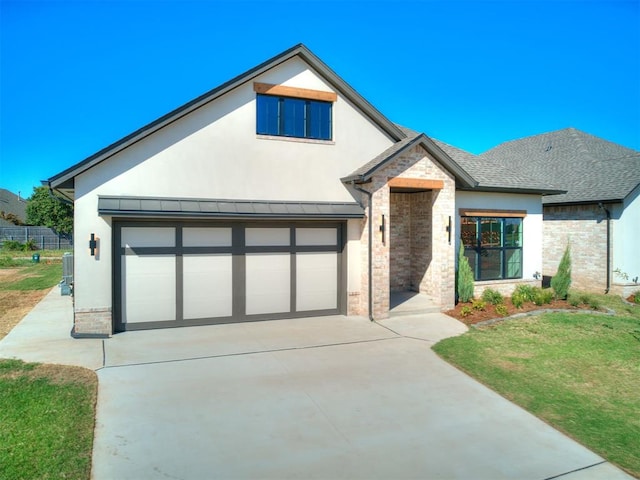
(589, 168)
(12, 203)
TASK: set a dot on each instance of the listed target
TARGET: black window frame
(477, 247)
(276, 116)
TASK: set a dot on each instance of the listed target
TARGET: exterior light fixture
(93, 245)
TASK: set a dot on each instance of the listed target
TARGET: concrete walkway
(329, 397)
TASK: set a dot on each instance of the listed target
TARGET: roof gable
(364, 173)
(64, 179)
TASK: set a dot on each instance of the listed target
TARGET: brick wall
(584, 227)
(427, 255)
(93, 321)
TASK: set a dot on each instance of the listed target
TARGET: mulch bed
(478, 316)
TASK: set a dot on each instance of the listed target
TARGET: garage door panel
(316, 236)
(148, 288)
(268, 283)
(208, 286)
(148, 237)
(206, 236)
(316, 281)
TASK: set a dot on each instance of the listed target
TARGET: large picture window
(293, 117)
(493, 246)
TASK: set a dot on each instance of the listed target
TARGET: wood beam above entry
(416, 183)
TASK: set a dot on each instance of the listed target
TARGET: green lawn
(578, 372)
(47, 421)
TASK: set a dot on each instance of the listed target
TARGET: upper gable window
(293, 112)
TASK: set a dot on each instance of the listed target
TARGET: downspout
(370, 247)
(608, 214)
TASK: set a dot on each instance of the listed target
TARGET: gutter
(370, 247)
(608, 214)
(57, 197)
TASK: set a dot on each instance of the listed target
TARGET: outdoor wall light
(382, 228)
(448, 229)
(93, 244)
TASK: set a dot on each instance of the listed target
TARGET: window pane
(468, 231)
(512, 232)
(514, 263)
(292, 123)
(490, 264)
(267, 115)
(319, 120)
(490, 232)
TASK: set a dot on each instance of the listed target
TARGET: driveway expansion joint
(576, 470)
(253, 352)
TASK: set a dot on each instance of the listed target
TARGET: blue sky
(76, 76)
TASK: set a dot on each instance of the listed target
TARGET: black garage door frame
(238, 250)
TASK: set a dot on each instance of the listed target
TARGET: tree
(562, 279)
(43, 209)
(465, 277)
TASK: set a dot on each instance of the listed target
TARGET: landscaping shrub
(585, 298)
(526, 292)
(517, 299)
(594, 303)
(465, 277)
(466, 311)
(562, 279)
(636, 297)
(492, 296)
(478, 304)
(501, 309)
(542, 297)
(573, 300)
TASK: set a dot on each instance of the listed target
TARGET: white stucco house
(284, 193)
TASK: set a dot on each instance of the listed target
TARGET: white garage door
(187, 274)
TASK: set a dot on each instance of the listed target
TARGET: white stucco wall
(625, 234)
(214, 152)
(531, 225)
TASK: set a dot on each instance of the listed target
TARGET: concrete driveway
(328, 398)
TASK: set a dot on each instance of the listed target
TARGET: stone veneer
(584, 227)
(416, 227)
(92, 321)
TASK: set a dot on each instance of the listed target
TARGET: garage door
(180, 274)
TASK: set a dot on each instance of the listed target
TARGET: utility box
(35, 258)
(66, 285)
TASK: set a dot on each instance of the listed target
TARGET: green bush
(542, 297)
(479, 305)
(492, 296)
(573, 300)
(594, 304)
(585, 298)
(12, 245)
(562, 279)
(527, 292)
(465, 277)
(16, 246)
(517, 299)
(466, 311)
(636, 297)
(501, 309)
(7, 262)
